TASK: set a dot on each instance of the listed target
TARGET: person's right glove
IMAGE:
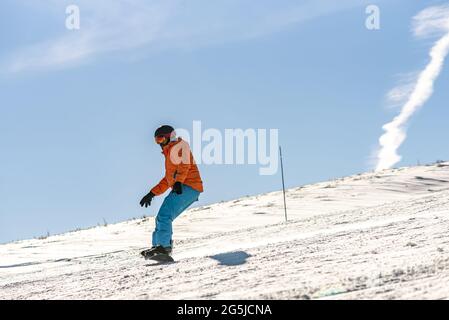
(146, 201)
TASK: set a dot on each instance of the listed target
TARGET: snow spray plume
(431, 21)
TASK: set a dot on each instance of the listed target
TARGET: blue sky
(78, 108)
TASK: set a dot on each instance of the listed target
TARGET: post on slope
(283, 183)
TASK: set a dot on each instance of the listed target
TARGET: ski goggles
(161, 138)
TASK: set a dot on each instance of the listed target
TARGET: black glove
(177, 187)
(146, 201)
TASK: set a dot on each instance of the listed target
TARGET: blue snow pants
(174, 204)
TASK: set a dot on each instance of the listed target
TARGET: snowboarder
(183, 176)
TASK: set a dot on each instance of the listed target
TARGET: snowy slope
(374, 235)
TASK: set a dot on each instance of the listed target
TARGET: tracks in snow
(396, 250)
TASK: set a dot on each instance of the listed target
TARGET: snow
(369, 236)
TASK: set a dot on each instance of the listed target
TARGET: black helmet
(164, 135)
(163, 130)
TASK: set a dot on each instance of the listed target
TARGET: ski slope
(369, 236)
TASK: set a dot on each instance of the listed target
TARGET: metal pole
(283, 184)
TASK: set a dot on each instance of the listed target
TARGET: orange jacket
(179, 166)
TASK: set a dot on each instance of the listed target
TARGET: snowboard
(161, 258)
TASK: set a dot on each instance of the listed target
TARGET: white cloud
(123, 25)
(431, 21)
(106, 27)
(406, 84)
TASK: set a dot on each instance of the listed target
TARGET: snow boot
(158, 250)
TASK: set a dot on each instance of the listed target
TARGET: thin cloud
(105, 28)
(397, 96)
(124, 25)
(431, 21)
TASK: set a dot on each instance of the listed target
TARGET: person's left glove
(177, 187)
(146, 201)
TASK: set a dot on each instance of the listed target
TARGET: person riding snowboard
(183, 176)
